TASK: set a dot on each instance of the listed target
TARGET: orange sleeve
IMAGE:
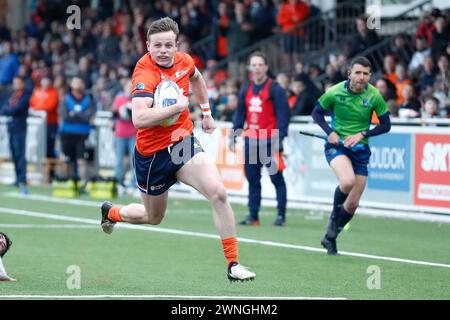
(144, 80)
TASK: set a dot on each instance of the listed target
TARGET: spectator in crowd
(418, 59)
(263, 19)
(402, 48)
(440, 37)
(365, 37)
(442, 86)
(5, 244)
(238, 33)
(314, 73)
(125, 137)
(389, 62)
(283, 80)
(426, 27)
(401, 81)
(430, 108)
(291, 15)
(389, 93)
(427, 77)
(410, 108)
(17, 108)
(76, 112)
(84, 71)
(9, 65)
(333, 70)
(108, 49)
(46, 98)
(307, 95)
(263, 106)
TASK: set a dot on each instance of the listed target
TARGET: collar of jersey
(347, 87)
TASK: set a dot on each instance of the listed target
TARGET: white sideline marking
(47, 226)
(368, 212)
(38, 197)
(213, 236)
(157, 296)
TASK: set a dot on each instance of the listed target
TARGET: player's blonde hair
(163, 25)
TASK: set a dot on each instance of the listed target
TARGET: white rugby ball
(166, 94)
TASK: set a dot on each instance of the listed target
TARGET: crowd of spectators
(112, 37)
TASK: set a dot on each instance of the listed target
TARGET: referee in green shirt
(351, 104)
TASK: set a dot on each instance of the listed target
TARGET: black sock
(343, 217)
(339, 198)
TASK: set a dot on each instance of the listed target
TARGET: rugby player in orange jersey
(166, 154)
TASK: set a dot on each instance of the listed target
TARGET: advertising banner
(432, 170)
(389, 167)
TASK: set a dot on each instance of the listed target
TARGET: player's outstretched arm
(144, 116)
(201, 93)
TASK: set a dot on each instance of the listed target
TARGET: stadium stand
(104, 51)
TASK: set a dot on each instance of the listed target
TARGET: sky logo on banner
(432, 170)
(390, 162)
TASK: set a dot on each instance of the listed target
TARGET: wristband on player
(206, 110)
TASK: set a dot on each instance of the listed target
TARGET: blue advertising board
(389, 167)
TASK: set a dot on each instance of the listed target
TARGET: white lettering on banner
(436, 157)
(434, 192)
(387, 158)
(387, 176)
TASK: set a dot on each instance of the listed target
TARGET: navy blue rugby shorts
(155, 174)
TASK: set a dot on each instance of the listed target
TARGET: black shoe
(107, 225)
(250, 222)
(332, 227)
(330, 245)
(279, 222)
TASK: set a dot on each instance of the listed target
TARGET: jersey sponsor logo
(180, 73)
(159, 186)
(255, 104)
(365, 103)
(140, 86)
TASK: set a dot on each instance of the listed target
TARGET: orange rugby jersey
(146, 77)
